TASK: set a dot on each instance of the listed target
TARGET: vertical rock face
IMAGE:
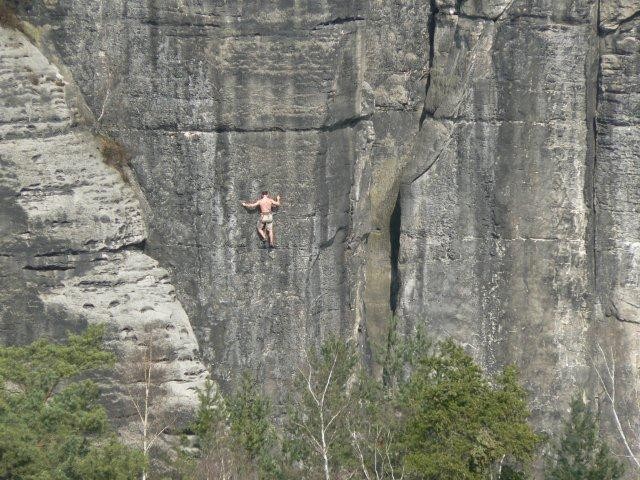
(220, 101)
(495, 218)
(616, 191)
(72, 235)
(616, 171)
(470, 166)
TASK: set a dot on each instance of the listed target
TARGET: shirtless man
(265, 223)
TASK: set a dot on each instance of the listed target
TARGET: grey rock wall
(616, 191)
(72, 236)
(219, 101)
(469, 165)
(495, 218)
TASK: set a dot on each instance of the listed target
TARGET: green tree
(435, 415)
(217, 456)
(251, 426)
(456, 423)
(401, 355)
(211, 416)
(581, 454)
(236, 437)
(509, 472)
(109, 460)
(51, 424)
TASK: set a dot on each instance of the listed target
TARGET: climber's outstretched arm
(276, 202)
(250, 205)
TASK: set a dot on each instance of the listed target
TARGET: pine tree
(235, 435)
(458, 424)
(440, 417)
(52, 425)
(251, 426)
(581, 454)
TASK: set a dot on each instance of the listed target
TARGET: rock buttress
(72, 236)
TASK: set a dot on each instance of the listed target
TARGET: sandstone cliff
(471, 166)
(73, 234)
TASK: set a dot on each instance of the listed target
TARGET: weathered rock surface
(470, 165)
(496, 209)
(72, 236)
(275, 99)
(616, 191)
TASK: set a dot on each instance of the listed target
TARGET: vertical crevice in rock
(593, 79)
(394, 251)
(594, 166)
(431, 27)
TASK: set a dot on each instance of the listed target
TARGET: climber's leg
(268, 226)
(261, 233)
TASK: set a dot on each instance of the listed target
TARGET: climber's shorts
(265, 221)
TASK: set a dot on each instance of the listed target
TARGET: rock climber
(265, 222)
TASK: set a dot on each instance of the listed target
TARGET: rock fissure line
(345, 123)
(327, 243)
(133, 246)
(154, 22)
(48, 268)
(592, 127)
(615, 312)
(494, 18)
(605, 32)
(432, 162)
(503, 12)
(394, 253)
(431, 29)
(338, 21)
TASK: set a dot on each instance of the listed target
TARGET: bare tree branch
(326, 386)
(610, 392)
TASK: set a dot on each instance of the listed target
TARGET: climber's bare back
(265, 204)
(265, 223)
